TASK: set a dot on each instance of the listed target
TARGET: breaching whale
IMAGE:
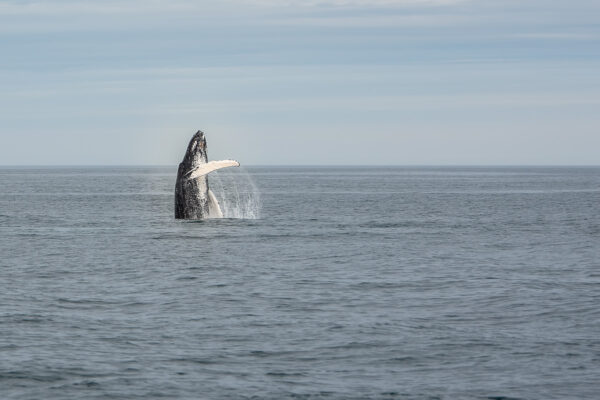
(193, 197)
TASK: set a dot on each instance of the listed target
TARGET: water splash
(236, 192)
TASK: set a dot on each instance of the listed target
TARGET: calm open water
(355, 283)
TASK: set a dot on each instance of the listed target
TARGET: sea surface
(337, 283)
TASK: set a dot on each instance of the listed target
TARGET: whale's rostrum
(193, 197)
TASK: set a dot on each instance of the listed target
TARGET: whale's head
(196, 151)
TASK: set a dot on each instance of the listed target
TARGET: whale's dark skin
(193, 198)
(190, 203)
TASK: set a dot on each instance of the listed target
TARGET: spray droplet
(236, 192)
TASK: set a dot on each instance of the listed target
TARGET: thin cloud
(62, 7)
(351, 3)
(416, 20)
(555, 35)
(68, 15)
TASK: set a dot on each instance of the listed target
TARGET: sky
(301, 82)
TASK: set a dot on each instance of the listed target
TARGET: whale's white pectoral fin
(212, 166)
(214, 210)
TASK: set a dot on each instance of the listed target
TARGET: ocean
(324, 283)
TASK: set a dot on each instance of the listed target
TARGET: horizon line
(298, 165)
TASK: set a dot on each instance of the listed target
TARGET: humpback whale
(193, 197)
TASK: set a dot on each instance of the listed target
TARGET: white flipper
(214, 210)
(212, 166)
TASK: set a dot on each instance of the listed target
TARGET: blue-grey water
(355, 283)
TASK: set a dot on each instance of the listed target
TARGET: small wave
(84, 301)
(265, 354)
(402, 360)
(85, 304)
(25, 318)
(87, 383)
(405, 224)
(29, 376)
(195, 360)
(187, 278)
(285, 374)
(135, 304)
(194, 237)
(502, 398)
(379, 285)
(50, 375)
(28, 235)
(354, 345)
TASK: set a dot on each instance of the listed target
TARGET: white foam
(236, 193)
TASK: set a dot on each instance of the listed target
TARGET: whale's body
(193, 197)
